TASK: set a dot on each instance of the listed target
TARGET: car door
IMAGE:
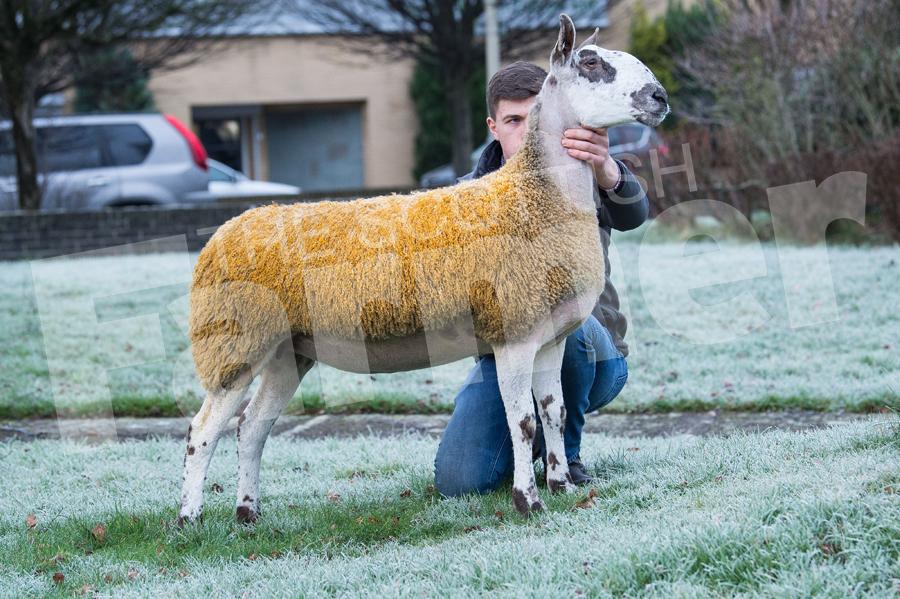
(76, 167)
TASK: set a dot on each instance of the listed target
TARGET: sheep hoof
(245, 515)
(561, 486)
(183, 520)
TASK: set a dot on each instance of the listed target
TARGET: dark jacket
(623, 208)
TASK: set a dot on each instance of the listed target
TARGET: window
(69, 148)
(7, 155)
(222, 139)
(217, 174)
(128, 144)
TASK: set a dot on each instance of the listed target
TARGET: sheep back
(504, 248)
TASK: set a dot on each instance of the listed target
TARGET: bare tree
(42, 44)
(795, 78)
(446, 33)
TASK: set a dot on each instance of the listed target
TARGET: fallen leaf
(99, 533)
(58, 577)
(85, 589)
(406, 493)
(471, 528)
(107, 578)
(252, 557)
(59, 557)
(132, 574)
(334, 496)
(499, 514)
(31, 521)
(588, 501)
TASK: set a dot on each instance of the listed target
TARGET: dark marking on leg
(190, 428)
(247, 499)
(204, 444)
(546, 402)
(527, 426)
(240, 422)
(190, 450)
(551, 80)
(552, 460)
(562, 418)
(520, 501)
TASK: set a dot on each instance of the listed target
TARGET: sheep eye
(591, 63)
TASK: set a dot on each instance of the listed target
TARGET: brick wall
(46, 234)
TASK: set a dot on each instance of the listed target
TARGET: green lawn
(769, 514)
(112, 332)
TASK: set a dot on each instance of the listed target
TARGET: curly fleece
(504, 249)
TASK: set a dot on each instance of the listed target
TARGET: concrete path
(313, 427)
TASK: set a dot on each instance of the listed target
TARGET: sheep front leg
(547, 387)
(514, 369)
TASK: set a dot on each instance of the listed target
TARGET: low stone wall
(33, 235)
(25, 235)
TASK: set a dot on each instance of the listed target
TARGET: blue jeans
(475, 453)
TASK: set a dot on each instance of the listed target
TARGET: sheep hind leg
(280, 379)
(203, 434)
(547, 388)
(515, 364)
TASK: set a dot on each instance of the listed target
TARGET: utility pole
(492, 38)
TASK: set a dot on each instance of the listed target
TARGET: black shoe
(578, 473)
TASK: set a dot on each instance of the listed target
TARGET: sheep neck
(542, 149)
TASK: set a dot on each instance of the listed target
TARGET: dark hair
(516, 81)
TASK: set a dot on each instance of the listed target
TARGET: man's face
(510, 124)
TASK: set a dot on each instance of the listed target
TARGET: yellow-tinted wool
(504, 248)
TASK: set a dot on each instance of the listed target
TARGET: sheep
(510, 263)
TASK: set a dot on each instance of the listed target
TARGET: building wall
(305, 71)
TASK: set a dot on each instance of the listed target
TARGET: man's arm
(626, 203)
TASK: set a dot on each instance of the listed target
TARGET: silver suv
(92, 162)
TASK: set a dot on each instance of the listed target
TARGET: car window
(128, 144)
(7, 155)
(69, 148)
(625, 134)
(216, 174)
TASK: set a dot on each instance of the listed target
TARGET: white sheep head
(604, 87)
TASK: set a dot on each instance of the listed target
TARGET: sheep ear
(591, 40)
(562, 52)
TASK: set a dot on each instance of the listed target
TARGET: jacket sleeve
(626, 205)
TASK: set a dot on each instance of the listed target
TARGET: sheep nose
(660, 96)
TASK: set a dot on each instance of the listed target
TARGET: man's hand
(592, 146)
